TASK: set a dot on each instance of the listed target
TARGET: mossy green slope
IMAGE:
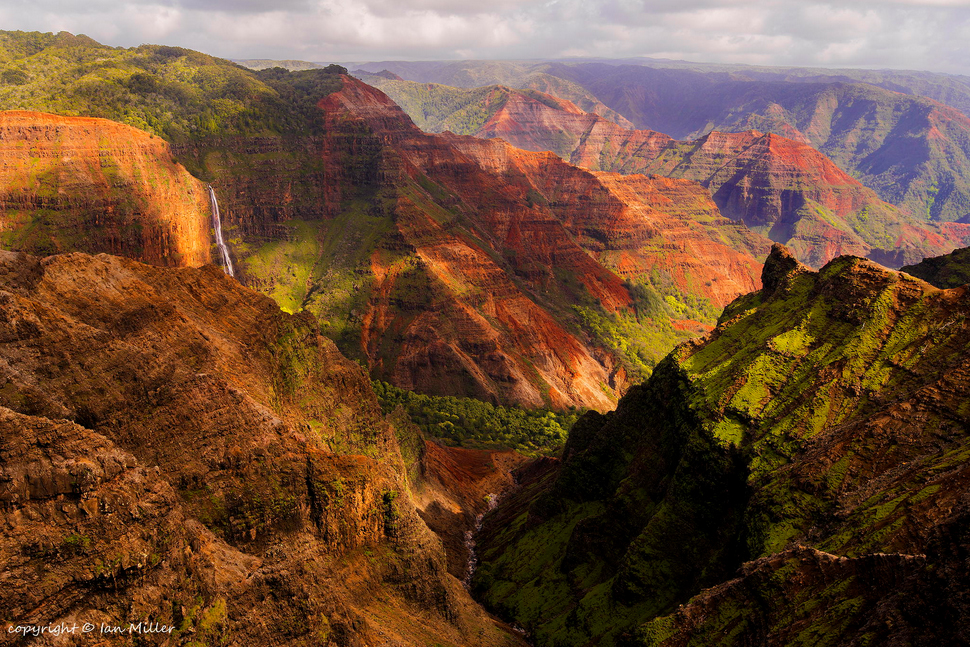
(820, 425)
(172, 92)
(948, 271)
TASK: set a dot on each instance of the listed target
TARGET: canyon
(177, 450)
(780, 187)
(200, 446)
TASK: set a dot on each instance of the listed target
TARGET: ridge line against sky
(897, 34)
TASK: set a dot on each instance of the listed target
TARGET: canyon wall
(796, 473)
(94, 185)
(178, 451)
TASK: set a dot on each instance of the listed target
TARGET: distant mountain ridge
(436, 108)
(784, 189)
(908, 147)
(950, 89)
(288, 64)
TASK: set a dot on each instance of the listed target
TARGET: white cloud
(921, 34)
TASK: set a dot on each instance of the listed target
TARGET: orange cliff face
(459, 298)
(94, 185)
(501, 242)
(785, 189)
(634, 225)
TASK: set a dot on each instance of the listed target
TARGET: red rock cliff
(82, 184)
(783, 188)
(174, 449)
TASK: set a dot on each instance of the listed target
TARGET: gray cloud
(246, 6)
(916, 34)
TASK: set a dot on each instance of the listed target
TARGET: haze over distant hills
(886, 128)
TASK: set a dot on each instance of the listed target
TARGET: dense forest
(472, 423)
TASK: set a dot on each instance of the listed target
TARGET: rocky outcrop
(175, 450)
(802, 463)
(93, 185)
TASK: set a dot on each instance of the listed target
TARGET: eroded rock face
(448, 264)
(176, 449)
(466, 318)
(94, 185)
(515, 237)
(637, 225)
(779, 186)
(805, 460)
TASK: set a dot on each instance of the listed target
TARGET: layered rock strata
(178, 451)
(93, 185)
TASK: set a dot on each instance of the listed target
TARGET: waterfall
(470, 542)
(217, 226)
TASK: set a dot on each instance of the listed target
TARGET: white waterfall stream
(217, 226)
(470, 540)
(471, 545)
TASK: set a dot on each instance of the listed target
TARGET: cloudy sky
(914, 34)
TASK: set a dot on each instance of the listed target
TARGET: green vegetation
(473, 423)
(745, 446)
(175, 93)
(76, 543)
(436, 108)
(644, 334)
